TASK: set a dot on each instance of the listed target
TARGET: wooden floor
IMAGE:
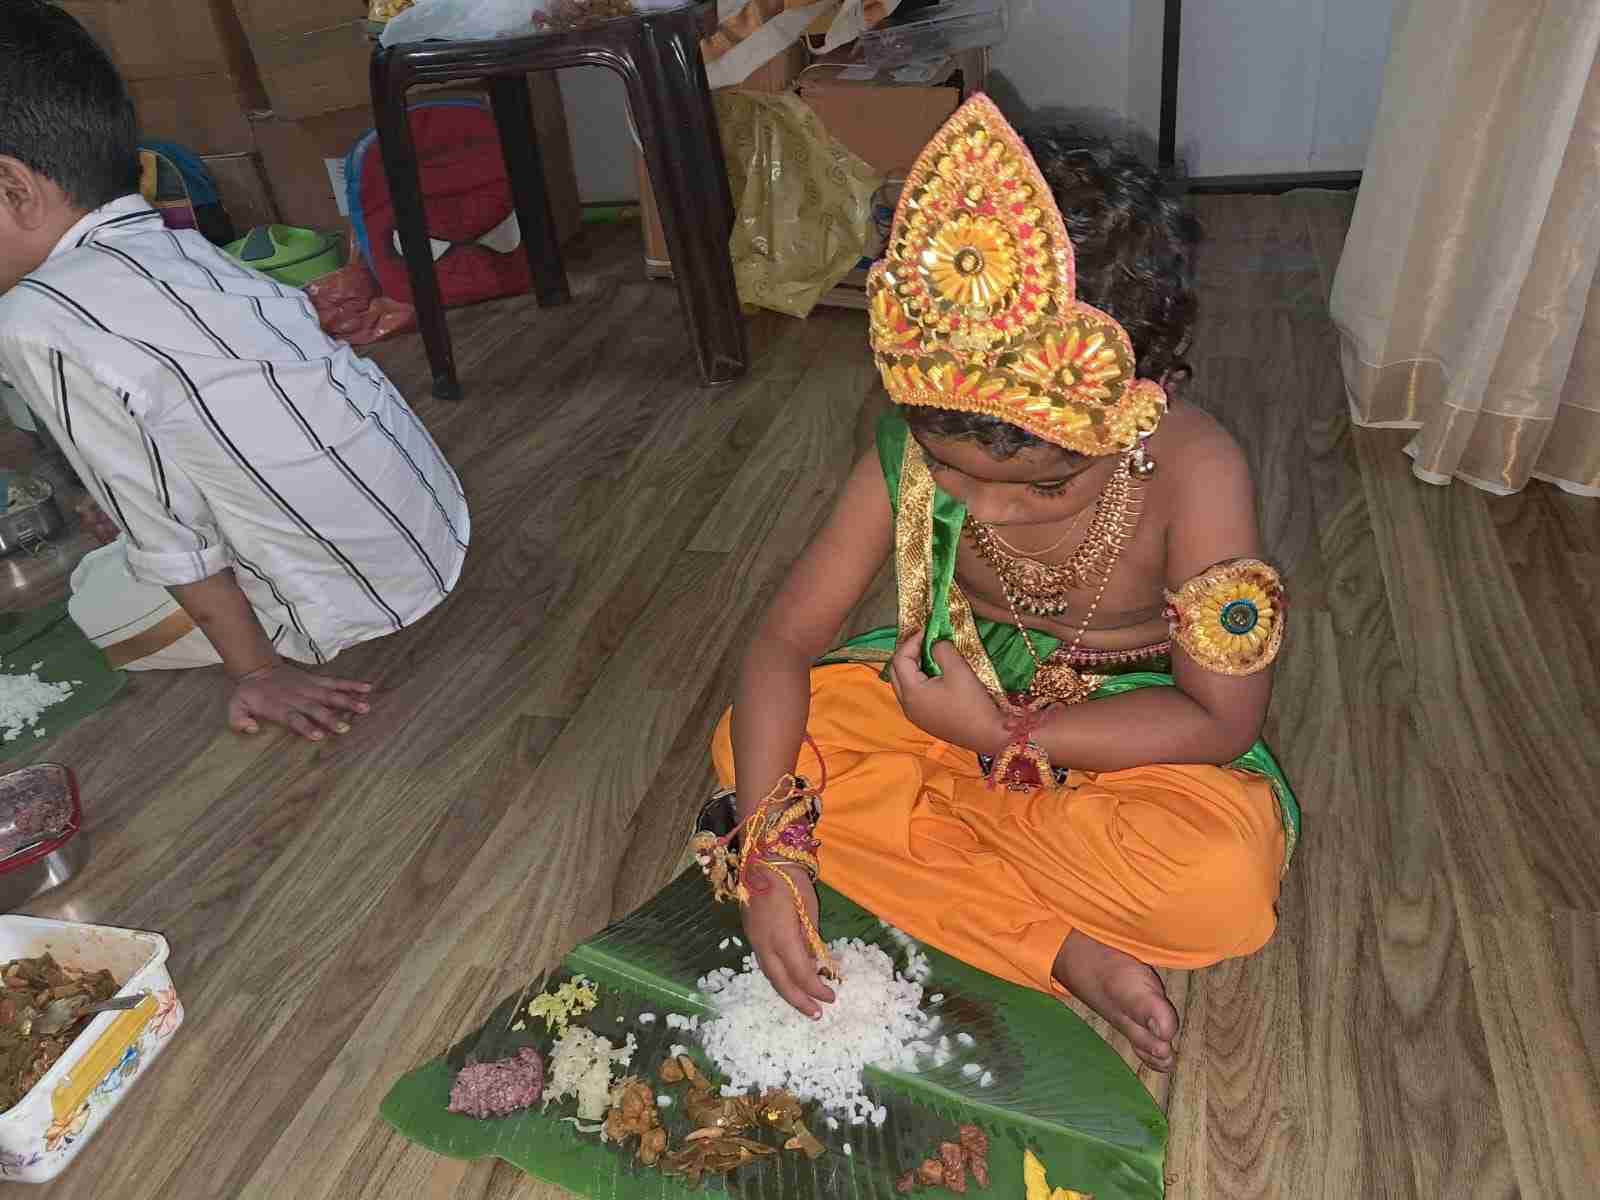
(1426, 1024)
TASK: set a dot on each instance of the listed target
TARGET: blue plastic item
(356, 159)
(196, 175)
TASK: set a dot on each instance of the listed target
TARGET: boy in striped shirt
(276, 499)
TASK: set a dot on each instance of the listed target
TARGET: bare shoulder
(1208, 496)
(1200, 453)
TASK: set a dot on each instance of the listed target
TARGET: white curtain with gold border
(1467, 296)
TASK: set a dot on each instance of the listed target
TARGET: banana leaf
(47, 636)
(1057, 1088)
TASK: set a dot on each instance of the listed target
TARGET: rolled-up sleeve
(171, 532)
(177, 541)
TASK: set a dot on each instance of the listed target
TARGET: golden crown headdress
(974, 307)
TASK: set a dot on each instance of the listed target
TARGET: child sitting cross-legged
(1049, 768)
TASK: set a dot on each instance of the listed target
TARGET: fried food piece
(805, 1142)
(652, 1145)
(974, 1141)
(27, 986)
(633, 1110)
(954, 1161)
(634, 1114)
(727, 1113)
(781, 1110)
(980, 1170)
(715, 1151)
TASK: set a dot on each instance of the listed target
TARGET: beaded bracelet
(779, 832)
(1022, 765)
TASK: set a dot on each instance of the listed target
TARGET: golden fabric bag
(804, 202)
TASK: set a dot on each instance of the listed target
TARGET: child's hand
(773, 929)
(956, 707)
(306, 703)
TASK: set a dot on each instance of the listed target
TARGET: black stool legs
(658, 57)
(519, 142)
(677, 126)
(405, 191)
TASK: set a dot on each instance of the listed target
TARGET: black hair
(64, 110)
(1134, 246)
(1000, 438)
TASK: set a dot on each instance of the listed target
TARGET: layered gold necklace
(1044, 589)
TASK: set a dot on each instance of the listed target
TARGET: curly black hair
(1135, 248)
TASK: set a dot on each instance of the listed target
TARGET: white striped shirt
(215, 422)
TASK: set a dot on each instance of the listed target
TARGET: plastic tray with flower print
(44, 1131)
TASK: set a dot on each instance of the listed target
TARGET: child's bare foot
(1123, 990)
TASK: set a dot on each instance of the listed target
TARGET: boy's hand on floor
(773, 929)
(311, 705)
(954, 708)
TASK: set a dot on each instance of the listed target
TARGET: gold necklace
(1045, 589)
(1038, 555)
(1060, 682)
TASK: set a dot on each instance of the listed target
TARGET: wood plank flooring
(1426, 1023)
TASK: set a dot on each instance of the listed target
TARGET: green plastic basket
(289, 255)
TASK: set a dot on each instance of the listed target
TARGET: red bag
(349, 307)
(472, 222)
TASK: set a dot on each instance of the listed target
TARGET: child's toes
(1145, 1042)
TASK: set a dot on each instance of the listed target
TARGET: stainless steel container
(27, 526)
(60, 849)
(38, 877)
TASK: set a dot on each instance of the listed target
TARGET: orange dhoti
(1176, 865)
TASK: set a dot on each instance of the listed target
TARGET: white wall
(1147, 22)
(1264, 87)
(1283, 87)
(1067, 55)
(1355, 47)
(602, 149)
(1061, 55)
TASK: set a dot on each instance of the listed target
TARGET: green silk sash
(928, 527)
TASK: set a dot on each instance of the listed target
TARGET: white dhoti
(138, 625)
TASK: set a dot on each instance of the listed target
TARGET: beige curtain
(1467, 297)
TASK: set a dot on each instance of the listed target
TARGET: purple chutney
(498, 1089)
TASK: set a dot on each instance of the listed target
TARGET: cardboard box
(657, 258)
(280, 18)
(885, 120)
(315, 71)
(313, 55)
(294, 158)
(295, 155)
(243, 189)
(166, 39)
(199, 112)
(187, 65)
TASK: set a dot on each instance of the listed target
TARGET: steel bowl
(35, 878)
(34, 869)
(27, 526)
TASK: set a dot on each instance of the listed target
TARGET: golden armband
(1230, 618)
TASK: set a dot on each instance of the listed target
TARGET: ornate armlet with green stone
(1230, 617)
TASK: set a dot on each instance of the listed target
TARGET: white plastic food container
(44, 1131)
